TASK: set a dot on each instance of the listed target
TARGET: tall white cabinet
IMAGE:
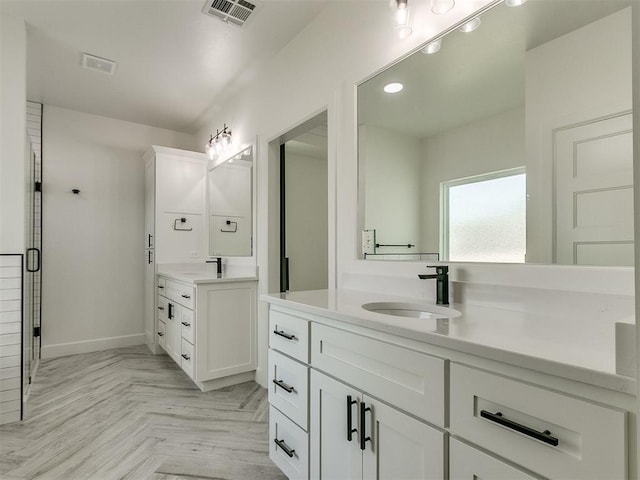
(175, 218)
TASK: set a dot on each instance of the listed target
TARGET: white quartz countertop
(554, 344)
(206, 273)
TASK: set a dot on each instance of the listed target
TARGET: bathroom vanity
(472, 392)
(207, 323)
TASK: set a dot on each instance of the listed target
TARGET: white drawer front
(179, 293)
(162, 308)
(188, 326)
(591, 439)
(291, 452)
(409, 380)
(162, 333)
(467, 463)
(187, 360)
(289, 334)
(289, 387)
(161, 286)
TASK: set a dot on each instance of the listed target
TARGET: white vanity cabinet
(209, 329)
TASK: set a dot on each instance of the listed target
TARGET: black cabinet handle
(184, 295)
(530, 432)
(350, 429)
(285, 335)
(170, 314)
(150, 241)
(149, 261)
(160, 286)
(363, 431)
(185, 356)
(28, 263)
(160, 308)
(160, 334)
(284, 447)
(283, 385)
(186, 324)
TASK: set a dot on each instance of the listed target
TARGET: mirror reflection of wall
(539, 95)
(230, 213)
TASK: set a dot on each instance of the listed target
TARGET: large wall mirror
(230, 212)
(510, 142)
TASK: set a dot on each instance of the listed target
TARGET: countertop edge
(199, 281)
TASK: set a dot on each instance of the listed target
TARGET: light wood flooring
(127, 414)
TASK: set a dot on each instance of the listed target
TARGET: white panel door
(180, 185)
(333, 456)
(594, 193)
(399, 447)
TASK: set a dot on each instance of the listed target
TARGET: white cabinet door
(399, 446)
(467, 463)
(173, 344)
(149, 204)
(180, 184)
(333, 456)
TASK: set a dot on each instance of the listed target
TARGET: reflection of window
(484, 217)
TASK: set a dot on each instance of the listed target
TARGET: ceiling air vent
(235, 12)
(98, 64)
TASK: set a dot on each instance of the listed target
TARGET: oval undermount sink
(411, 310)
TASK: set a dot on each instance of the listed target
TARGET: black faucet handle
(440, 269)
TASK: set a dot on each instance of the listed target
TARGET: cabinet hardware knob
(363, 430)
(186, 296)
(284, 447)
(186, 324)
(185, 356)
(350, 429)
(285, 335)
(160, 334)
(284, 386)
(498, 418)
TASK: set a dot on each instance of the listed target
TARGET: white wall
(390, 187)
(93, 256)
(13, 124)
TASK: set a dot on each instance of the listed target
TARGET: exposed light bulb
(514, 3)
(393, 87)
(440, 7)
(402, 26)
(433, 47)
(471, 25)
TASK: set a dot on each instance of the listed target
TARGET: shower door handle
(37, 252)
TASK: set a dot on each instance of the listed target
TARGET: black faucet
(442, 283)
(218, 262)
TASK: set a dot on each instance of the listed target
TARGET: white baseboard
(95, 345)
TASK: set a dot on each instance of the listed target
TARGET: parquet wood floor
(127, 414)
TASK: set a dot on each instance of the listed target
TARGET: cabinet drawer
(187, 323)
(187, 361)
(467, 463)
(409, 380)
(180, 293)
(510, 418)
(289, 387)
(162, 333)
(161, 285)
(288, 446)
(162, 308)
(289, 334)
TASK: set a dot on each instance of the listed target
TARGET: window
(484, 217)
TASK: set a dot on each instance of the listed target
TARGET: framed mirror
(230, 200)
(510, 141)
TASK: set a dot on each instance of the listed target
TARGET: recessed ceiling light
(514, 3)
(433, 47)
(393, 87)
(471, 25)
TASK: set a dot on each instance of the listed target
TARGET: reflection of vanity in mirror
(230, 198)
(512, 143)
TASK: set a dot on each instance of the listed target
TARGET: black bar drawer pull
(350, 429)
(186, 324)
(363, 431)
(160, 308)
(185, 356)
(160, 286)
(184, 295)
(284, 447)
(160, 334)
(170, 314)
(505, 422)
(283, 385)
(285, 335)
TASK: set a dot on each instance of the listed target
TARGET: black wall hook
(75, 191)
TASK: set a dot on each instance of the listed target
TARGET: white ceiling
(173, 62)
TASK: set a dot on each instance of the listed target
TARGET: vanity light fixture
(433, 47)
(514, 3)
(393, 87)
(440, 7)
(402, 27)
(219, 143)
(471, 25)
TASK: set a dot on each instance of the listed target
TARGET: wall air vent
(98, 64)
(235, 12)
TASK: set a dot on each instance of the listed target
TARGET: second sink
(411, 310)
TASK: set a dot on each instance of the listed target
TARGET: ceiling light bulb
(433, 47)
(440, 7)
(403, 31)
(393, 87)
(514, 3)
(471, 25)
(401, 20)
